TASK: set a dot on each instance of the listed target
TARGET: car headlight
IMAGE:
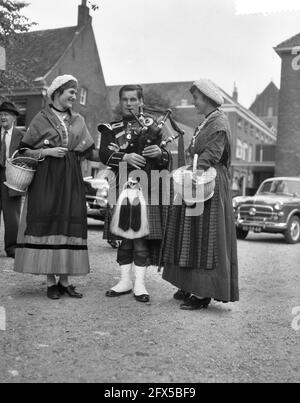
(278, 206)
(234, 203)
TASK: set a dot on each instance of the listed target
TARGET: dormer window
(83, 96)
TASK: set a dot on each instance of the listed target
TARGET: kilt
(155, 219)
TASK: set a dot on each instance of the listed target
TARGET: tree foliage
(12, 23)
(94, 6)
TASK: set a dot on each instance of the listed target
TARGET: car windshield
(281, 187)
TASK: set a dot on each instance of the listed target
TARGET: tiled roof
(36, 52)
(268, 98)
(293, 41)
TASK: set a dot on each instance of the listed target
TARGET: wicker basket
(20, 172)
(205, 183)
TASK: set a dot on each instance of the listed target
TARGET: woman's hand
(135, 160)
(152, 152)
(56, 152)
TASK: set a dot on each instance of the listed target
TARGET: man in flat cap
(10, 200)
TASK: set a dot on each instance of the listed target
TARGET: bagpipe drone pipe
(150, 133)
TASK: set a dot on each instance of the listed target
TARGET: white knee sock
(51, 280)
(64, 280)
(125, 283)
(139, 285)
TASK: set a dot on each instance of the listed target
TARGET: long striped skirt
(200, 253)
(52, 237)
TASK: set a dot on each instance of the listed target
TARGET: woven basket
(20, 172)
(205, 183)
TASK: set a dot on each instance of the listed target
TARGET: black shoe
(114, 294)
(53, 293)
(11, 254)
(70, 290)
(113, 244)
(181, 295)
(194, 303)
(142, 298)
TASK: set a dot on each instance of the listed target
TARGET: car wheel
(292, 233)
(241, 234)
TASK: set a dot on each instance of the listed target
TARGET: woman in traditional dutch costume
(52, 237)
(200, 252)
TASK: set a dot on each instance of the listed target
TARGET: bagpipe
(150, 131)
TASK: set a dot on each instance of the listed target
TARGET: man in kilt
(118, 146)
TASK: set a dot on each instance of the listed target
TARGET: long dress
(200, 253)
(52, 237)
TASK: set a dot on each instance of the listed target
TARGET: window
(245, 151)
(270, 111)
(83, 96)
(21, 104)
(250, 153)
(239, 149)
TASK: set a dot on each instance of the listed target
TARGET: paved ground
(101, 340)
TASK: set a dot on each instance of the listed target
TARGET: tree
(12, 23)
(155, 99)
(94, 6)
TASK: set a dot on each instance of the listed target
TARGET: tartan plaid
(155, 220)
(191, 242)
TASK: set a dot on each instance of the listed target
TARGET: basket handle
(17, 151)
(195, 162)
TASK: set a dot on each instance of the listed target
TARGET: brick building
(288, 146)
(253, 142)
(40, 56)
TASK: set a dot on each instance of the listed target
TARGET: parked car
(275, 208)
(96, 197)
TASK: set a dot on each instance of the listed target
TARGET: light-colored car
(275, 208)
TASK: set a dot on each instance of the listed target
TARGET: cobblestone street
(102, 340)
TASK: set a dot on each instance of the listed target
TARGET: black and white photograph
(149, 194)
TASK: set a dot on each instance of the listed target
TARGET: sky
(144, 41)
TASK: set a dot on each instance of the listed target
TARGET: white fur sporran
(129, 218)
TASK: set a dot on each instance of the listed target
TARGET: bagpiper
(138, 224)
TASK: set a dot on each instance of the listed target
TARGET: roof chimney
(83, 14)
(235, 94)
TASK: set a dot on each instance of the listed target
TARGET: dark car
(275, 208)
(96, 198)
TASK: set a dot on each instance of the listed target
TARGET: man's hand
(152, 152)
(135, 160)
(56, 152)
